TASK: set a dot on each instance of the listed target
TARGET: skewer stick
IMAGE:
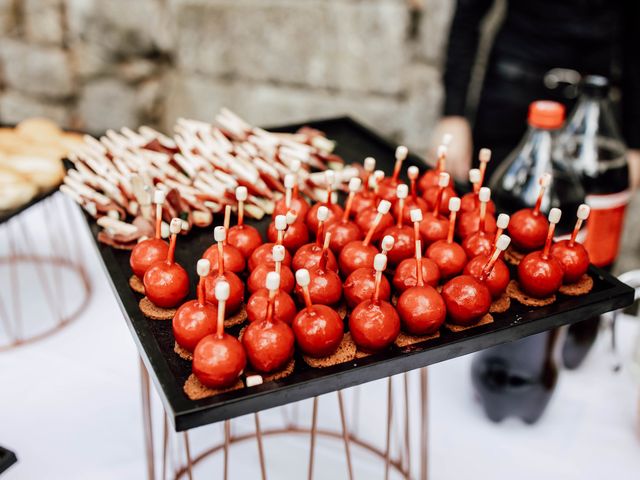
(324, 256)
(203, 267)
(501, 223)
(273, 284)
(501, 245)
(420, 279)
(545, 181)
(354, 187)
(303, 279)
(402, 191)
(281, 225)
(277, 253)
(158, 199)
(443, 181)
(554, 218)
(387, 244)
(220, 235)
(413, 172)
(474, 179)
(222, 292)
(583, 214)
(322, 215)
(175, 227)
(227, 219)
(454, 206)
(416, 218)
(483, 156)
(376, 178)
(379, 264)
(241, 196)
(331, 178)
(369, 167)
(442, 158)
(289, 182)
(484, 195)
(383, 209)
(401, 155)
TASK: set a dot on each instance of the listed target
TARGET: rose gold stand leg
(387, 450)
(227, 441)
(312, 441)
(165, 445)
(407, 423)
(424, 427)
(188, 451)
(345, 435)
(263, 469)
(147, 421)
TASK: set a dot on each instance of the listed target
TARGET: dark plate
(7, 458)
(155, 342)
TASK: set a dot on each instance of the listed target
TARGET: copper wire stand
(401, 422)
(44, 284)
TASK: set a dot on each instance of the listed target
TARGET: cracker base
(514, 291)
(154, 312)
(346, 351)
(197, 391)
(501, 304)
(405, 340)
(581, 287)
(487, 319)
(136, 284)
(182, 352)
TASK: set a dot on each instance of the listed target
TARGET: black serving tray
(155, 341)
(7, 458)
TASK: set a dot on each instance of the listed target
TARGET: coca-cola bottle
(514, 184)
(593, 146)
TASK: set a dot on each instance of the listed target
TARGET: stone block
(36, 70)
(107, 103)
(435, 19)
(345, 45)
(43, 22)
(264, 104)
(15, 106)
(422, 106)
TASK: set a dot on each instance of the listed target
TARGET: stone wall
(95, 64)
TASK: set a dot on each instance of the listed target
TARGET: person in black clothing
(540, 50)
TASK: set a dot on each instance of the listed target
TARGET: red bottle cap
(546, 114)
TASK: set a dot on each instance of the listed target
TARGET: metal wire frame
(346, 435)
(58, 248)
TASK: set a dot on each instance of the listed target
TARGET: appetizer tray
(155, 341)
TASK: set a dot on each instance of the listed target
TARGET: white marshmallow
(175, 226)
(387, 243)
(220, 234)
(474, 176)
(402, 191)
(253, 380)
(273, 281)
(354, 184)
(554, 215)
(322, 213)
(380, 262)
(222, 291)
(384, 206)
(280, 222)
(502, 221)
(369, 164)
(158, 197)
(203, 267)
(291, 217)
(484, 194)
(484, 155)
(413, 172)
(401, 152)
(503, 242)
(289, 180)
(277, 252)
(443, 179)
(454, 204)
(583, 211)
(416, 215)
(442, 151)
(545, 180)
(242, 194)
(302, 277)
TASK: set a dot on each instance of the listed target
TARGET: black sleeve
(631, 74)
(461, 52)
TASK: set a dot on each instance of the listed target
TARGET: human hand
(460, 149)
